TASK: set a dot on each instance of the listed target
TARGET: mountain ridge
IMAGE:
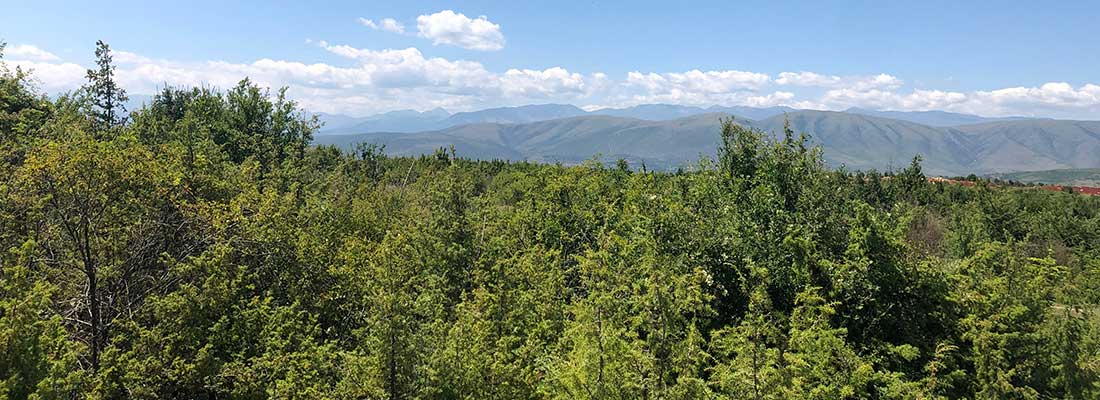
(855, 141)
(418, 121)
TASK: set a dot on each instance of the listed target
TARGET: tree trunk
(95, 319)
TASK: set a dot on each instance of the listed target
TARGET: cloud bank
(378, 80)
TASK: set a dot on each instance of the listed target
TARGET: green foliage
(206, 250)
(22, 109)
(36, 359)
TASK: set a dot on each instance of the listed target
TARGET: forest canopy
(201, 247)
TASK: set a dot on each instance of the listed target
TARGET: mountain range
(668, 136)
(417, 121)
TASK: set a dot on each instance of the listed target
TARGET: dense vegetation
(200, 248)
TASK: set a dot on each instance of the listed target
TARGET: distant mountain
(413, 121)
(853, 140)
(662, 112)
(393, 121)
(1033, 145)
(751, 112)
(336, 122)
(1071, 177)
(567, 140)
(137, 101)
(515, 115)
(865, 142)
(652, 112)
(861, 142)
(931, 118)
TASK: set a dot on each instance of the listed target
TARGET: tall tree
(108, 109)
(104, 212)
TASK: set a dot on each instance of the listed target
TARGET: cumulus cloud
(52, 77)
(811, 79)
(384, 24)
(891, 100)
(698, 81)
(695, 87)
(807, 79)
(456, 29)
(392, 68)
(28, 52)
(1052, 99)
(550, 83)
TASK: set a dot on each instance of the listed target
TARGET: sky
(365, 57)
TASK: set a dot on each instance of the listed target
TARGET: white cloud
(696, 81)
(53, 77)
(695, 87)
(456, 29)
(891, 100)
(740, 98)
(770, 100)
(878, 81)
(549, 83)
(378, 80)
(811, 79)
(383, 80)
(125, 57)
(384, 24)
(409, 68)
(1052, 99)
(26, 52)
(807, 79)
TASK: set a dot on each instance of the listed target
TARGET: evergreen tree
(749, 364)
(107, 98)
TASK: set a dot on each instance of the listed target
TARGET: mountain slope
(414, 121)
(852, 140)
(864, 142)
(393, 121)
(567, 140)
(652, 112)
(931, 118)
(752, 113)
(1071, 177)
(513, 115)
(1032, 145)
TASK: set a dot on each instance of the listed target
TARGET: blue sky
(992, 58)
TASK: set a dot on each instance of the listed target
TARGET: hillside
(436, 119)
(931, 118)
(1069, 177)
(865, 142)
(567, 140)
(853, 140)
(1032, 145)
